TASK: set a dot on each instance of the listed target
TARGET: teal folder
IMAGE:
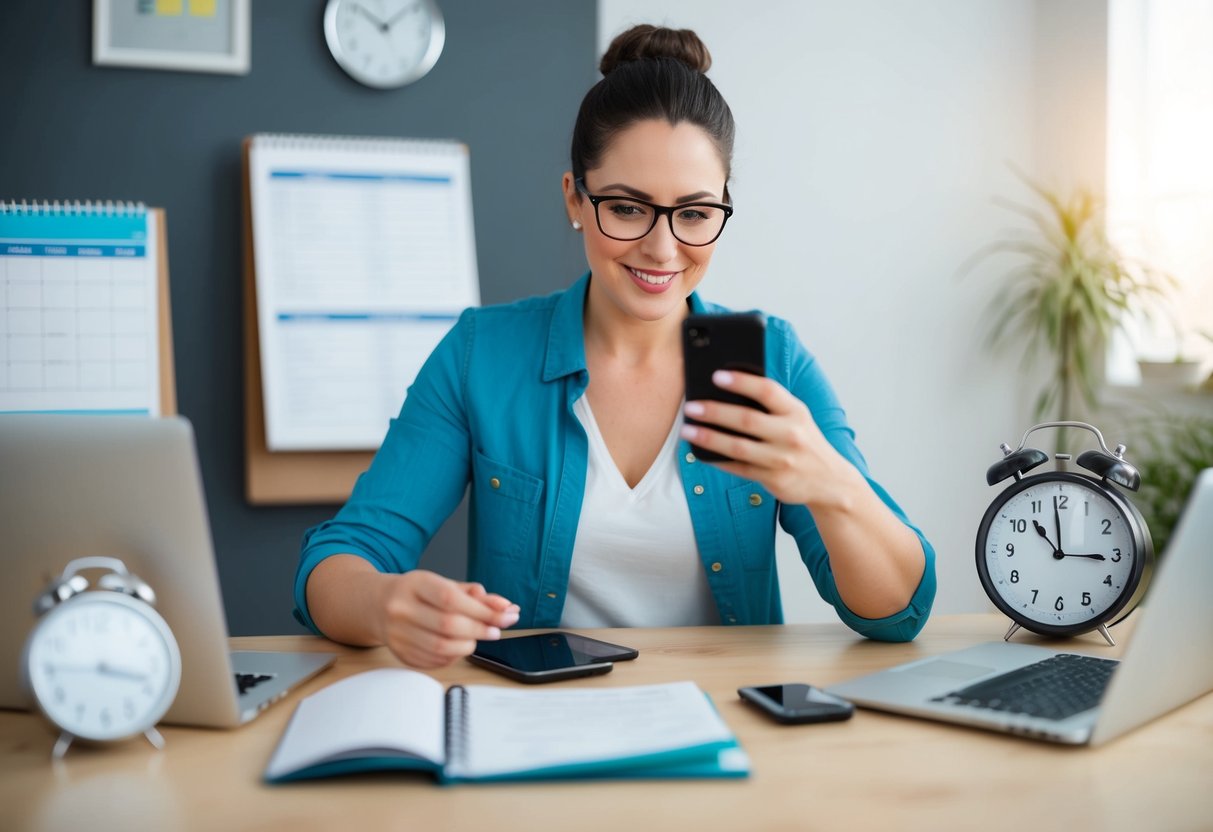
(397, 719)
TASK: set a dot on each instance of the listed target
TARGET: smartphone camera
(698, 337)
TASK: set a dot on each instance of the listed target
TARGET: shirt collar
(566, 332)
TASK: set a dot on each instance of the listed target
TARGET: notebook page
(511, 730)
(386, 712)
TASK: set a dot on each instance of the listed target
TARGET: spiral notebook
(363, 258)
(84, 324)
(392, 718)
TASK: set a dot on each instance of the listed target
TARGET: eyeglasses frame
(658, 211)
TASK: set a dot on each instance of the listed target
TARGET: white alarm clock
(101, 666)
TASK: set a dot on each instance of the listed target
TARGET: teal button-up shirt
(493, 407)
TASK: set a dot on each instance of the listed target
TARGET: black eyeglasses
(626, 218)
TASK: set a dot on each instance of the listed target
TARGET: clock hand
(121, 672)
(412, 7)
(1092, 557)
(1040, 530)
(379, 24)
(1057, 525)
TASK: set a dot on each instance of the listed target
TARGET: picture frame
(182, 35)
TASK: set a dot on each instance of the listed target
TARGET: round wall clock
(1063, 553)
(384, 43)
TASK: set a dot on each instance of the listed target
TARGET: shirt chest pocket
(506, 507)
(753, 511)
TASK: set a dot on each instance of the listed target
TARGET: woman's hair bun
(646, 41)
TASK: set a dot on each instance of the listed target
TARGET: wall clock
(384, 43)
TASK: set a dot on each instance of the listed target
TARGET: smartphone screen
(798, 703)
(543, 652)
(721, 342)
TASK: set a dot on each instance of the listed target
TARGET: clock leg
(155, 738)
(1012, 630)
(61, 745)
(1103, 631)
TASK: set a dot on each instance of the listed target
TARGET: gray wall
(508, 83)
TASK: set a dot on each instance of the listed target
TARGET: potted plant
(1069, 291)
(1172, 449)
(1183, 371)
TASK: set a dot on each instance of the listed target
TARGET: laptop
(1074, 696)
(127, 487)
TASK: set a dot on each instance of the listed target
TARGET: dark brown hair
(651, 72)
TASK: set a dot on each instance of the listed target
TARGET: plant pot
(1177, 374)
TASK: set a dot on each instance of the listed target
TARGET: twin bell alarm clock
(1064, 553)
(101, 665)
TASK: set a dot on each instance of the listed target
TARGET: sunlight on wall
(1160, 168)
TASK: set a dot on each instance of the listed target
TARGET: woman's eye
(693, 215)
(627, 210)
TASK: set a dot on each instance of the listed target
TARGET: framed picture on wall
(186, 35)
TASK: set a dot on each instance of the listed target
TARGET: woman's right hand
(428, 621)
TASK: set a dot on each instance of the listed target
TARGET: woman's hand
(428, 621)
(789, 454)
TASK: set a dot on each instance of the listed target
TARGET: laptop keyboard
(1055, 688)
(244, 681)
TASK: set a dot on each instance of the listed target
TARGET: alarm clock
(1064, 553)
(384, 43)
(101, 666)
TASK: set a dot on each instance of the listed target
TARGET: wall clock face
(384, 43)
(1060, 553)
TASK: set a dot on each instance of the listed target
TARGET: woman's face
(648, 279)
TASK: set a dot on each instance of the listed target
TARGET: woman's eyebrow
(639, 194)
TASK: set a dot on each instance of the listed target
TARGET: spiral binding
(107, 208)
(371, 144)
(456, 728)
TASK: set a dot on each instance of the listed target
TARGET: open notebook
(394, 718)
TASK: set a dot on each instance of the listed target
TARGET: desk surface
(874, 771)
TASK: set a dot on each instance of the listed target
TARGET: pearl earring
(576, 225)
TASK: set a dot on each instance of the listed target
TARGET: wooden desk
(872, 772)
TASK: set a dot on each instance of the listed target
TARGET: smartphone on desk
(549, 657)
(797, 703)
(721, 342)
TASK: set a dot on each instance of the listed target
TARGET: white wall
(872, 137)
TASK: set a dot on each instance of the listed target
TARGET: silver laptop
(127, 487)
(1165, 665)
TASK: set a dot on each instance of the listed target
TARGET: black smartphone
(797, 703)
(721, 342)
(549, 657)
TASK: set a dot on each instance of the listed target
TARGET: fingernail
(509, 618)
(493, 634)
(693, 409)
(722, 377)
(689, 431)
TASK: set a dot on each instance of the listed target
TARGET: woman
(564, 414)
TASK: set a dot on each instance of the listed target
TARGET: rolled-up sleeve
(809, 384)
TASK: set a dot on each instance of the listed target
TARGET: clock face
(384, 43)
(1057, 551)
(103, 666)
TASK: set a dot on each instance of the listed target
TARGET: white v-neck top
(635, 560)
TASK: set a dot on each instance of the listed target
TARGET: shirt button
(690, 457)
(732, 619)
(755, 499)
(495, 483)
(551, 594)
(698, 489)
(717, 566)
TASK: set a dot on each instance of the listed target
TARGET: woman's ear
(572, 200)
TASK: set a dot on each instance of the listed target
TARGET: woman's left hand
(788, 453)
